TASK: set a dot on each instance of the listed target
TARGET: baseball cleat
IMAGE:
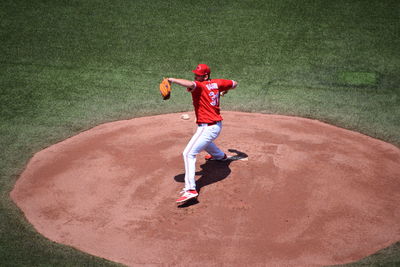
(186, 195)
(209, 157)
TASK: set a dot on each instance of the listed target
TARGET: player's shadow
(212, 171)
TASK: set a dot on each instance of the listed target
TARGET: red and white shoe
(209, 157)
(186, 195)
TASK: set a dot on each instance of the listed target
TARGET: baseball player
(206, 94)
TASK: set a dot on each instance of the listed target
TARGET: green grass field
(67, 66)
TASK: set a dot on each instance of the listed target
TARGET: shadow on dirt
(211, 172)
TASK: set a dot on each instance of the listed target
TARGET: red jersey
(205, 98)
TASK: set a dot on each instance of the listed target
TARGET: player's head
(202, 72)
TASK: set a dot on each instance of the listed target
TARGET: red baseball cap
(202, 69)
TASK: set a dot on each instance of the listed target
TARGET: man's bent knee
(189, 154)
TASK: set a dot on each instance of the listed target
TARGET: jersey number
(214, 98)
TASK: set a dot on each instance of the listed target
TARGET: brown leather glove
(165, 89)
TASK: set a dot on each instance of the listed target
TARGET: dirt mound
(303, 193)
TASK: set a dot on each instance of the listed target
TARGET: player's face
(200, 78)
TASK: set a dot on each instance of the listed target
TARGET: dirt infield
(304, 193)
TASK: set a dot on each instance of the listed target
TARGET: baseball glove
(165, 89)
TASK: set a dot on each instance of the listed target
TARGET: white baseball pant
(201, 140)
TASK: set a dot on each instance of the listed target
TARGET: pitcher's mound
(298, 192)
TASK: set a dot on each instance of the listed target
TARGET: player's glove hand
(165, 89)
